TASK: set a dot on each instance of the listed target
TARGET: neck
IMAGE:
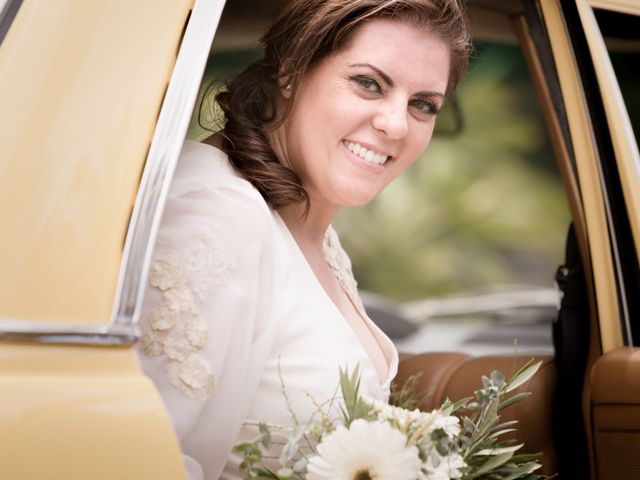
(308, 230)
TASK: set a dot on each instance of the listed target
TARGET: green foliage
(408, 396)
(490, 457)
(353, 405)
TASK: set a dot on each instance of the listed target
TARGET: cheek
(417, 143)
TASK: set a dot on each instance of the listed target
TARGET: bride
(251, 307)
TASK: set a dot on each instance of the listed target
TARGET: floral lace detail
(334, 256)
(164, 275)
(192, 377)
(174, 327)
(205, 265)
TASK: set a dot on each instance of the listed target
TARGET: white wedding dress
(233, 313)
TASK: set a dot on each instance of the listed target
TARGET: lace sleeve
(207, 326)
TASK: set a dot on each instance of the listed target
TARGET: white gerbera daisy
(365, 451)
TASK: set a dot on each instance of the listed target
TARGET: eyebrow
(388, 80)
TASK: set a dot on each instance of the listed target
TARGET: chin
(358, 200)
(354, 192)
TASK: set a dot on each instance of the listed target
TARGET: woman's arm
(207, 322)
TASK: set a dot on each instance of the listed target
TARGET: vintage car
(95, 103)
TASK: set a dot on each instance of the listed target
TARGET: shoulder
(203, 166)
(207, 190)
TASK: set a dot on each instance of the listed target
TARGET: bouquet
(369, 439)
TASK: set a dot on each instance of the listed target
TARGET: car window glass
(621, 33)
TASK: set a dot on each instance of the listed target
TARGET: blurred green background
(482, 209)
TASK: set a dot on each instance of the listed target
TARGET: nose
(392, 120)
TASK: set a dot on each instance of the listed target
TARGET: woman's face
(364, 114)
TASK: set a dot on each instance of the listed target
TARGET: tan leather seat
(457, 375)
(615, 393)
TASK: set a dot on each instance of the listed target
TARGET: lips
(366, 154)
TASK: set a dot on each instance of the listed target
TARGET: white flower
(365, 451)
(400, 415)
(442, 468)
(450, 424)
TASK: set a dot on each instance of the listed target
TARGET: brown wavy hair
(306, 32)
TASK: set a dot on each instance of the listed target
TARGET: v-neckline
(374, 330)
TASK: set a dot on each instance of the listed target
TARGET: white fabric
(233, 311)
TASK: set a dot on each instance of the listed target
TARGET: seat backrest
(457, 375)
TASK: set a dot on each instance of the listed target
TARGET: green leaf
(469, 426)
(353, 406)
(408, 396)
(266, 435)
(526, 457)
(349, 385)
(284, 473)
(250, 452)
(265, 472)
(522, 376)
(500, 450)
(473, 406)
(504, 426)
(514, 399)
(491, 464)
(497, 378)
(488, 416)
(497, 433)
(460, 404)
(293, 445)
(522, 470)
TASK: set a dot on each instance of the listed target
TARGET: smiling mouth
(367, 155)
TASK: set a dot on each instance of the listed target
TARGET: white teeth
(366, 154)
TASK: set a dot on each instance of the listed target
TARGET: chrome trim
(164, 151)
(68, 334)
(8, 11)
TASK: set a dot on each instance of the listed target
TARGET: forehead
(407, 53)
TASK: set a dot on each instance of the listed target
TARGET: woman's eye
(425, 107)
(368, 84)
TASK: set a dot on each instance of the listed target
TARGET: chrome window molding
(164, 151)
(161, 161)
(8, 11)
(69, 334)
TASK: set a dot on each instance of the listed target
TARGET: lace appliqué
(205, 265)
(334, 256)
(174, 327)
